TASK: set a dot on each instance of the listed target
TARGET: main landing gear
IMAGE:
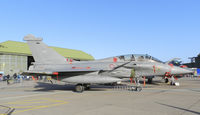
(150, 80)
(81, 87)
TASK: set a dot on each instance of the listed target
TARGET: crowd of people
(16, 78)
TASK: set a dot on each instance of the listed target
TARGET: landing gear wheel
(166, 80)
(150, 80)
(138, 89)
(79, 88)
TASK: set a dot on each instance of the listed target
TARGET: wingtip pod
(31, 37)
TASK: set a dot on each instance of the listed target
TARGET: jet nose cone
(187, 71)
(179, 70)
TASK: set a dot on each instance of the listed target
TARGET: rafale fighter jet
(103, 71)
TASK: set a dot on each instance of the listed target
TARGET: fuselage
(115, 67)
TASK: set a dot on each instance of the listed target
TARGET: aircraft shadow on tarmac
(187, 110)
(154, 82)
(41, 86)
(45, 86)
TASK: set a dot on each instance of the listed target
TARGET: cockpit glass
(138, 57)
(157, 60)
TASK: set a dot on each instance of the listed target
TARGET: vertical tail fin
(42, 53)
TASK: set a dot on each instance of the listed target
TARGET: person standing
(7, 79)
(1, 77)
(18, 78)
(15, 77)
(132, 76)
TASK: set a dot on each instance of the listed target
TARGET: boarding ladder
(125, 87)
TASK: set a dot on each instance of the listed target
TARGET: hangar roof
(21, 48)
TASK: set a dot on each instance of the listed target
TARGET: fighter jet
(103, 71)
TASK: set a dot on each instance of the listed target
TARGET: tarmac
(40, 98)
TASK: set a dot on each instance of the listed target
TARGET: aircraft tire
(150, 80)
(166, 80)
(79, 88)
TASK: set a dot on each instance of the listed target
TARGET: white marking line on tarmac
(38, 94)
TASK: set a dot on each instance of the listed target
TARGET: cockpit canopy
(138, 57)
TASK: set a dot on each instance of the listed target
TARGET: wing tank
(87, 79)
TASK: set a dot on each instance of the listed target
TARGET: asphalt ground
(39, 98)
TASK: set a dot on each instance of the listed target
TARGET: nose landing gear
(166, 80)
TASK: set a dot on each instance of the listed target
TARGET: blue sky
(105, 28)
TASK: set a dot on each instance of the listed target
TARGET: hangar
(16, 57)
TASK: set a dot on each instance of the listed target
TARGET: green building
(16, 57)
